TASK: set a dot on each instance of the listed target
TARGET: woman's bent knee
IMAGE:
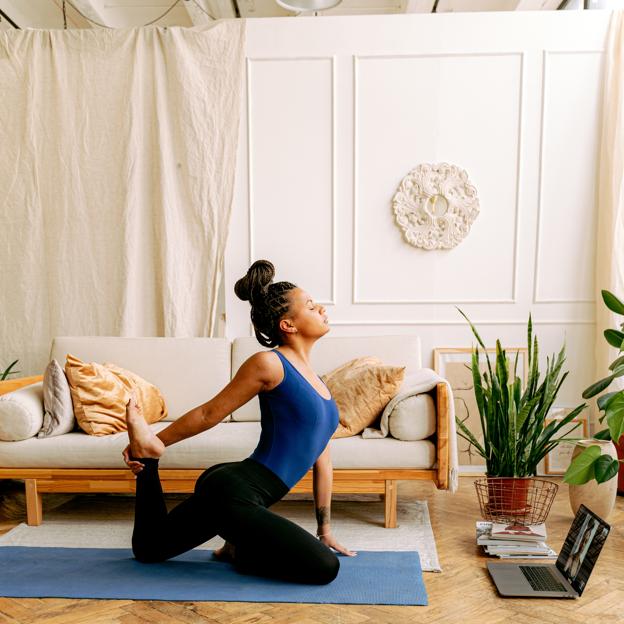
(333, 570)
(328, 571)
(146, 555)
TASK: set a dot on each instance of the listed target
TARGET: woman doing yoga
(231, 499)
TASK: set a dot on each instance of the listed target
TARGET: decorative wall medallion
(435, 205)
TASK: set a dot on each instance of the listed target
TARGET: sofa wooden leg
(391, 504)
(34, 503)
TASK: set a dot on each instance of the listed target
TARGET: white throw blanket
(422, 381)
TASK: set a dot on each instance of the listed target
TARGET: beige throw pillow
(361, 389)
(100, 393)
(58, 409)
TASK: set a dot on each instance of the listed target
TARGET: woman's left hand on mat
(330, 540)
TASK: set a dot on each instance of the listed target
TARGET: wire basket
(519, 500)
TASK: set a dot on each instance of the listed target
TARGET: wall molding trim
(434, 322)
(538, 233)
(250, 204)
(355, 300)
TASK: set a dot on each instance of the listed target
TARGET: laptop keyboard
(541, 578)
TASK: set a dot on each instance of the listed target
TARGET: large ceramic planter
(599, 497)
(620, 451)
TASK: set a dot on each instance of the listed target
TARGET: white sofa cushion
(413, 418)
(330, 352)
(187, 371)
(231, 441)
(21, 413)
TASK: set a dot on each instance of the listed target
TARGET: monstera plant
(591, 463)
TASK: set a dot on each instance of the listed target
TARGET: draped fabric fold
(117, 163)
(610, 240)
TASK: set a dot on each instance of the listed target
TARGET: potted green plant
(592, 462)
(512, 420)
(4, 374)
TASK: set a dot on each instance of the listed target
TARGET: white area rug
(105, 521)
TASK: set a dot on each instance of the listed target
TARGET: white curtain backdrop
(610, 242)
(117, 162)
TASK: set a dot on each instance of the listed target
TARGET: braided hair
(269, 301)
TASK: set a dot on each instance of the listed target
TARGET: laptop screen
(582, 547)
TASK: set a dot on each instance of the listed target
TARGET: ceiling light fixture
(308, 5)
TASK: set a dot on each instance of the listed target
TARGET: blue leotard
(297, 422)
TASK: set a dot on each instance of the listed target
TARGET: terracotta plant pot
(516, 500)
(599, 497)
(508, 495)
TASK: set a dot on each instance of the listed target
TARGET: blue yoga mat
(371, 577)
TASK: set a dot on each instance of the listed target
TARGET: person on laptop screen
(575, 559)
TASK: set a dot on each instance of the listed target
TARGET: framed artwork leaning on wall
(557, 461)
(453, 363)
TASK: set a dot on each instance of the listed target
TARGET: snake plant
(512, 416)
(4, 374)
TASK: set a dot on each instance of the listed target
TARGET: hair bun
(254, 285)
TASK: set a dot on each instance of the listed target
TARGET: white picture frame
(556, 462)
(453, 363)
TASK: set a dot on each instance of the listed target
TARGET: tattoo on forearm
(322, 515)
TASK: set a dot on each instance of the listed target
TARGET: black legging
(230, 500)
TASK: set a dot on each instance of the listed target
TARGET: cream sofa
(190, 371)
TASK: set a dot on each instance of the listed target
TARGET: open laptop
(566, 578)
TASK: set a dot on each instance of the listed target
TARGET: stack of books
(514, 541)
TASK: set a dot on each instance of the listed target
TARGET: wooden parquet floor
(462, 593)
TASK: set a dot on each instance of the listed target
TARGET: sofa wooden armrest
(10, 385)
(442, 435)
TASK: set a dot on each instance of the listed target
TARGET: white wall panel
(464, 109)
(291, 161)
(570, 138)
(341, 108)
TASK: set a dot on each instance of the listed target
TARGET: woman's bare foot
(226, 552)
(143, 441)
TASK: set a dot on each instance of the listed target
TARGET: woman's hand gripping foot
(143, 441)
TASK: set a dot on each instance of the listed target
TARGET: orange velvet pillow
(100, 392)
(361, 389)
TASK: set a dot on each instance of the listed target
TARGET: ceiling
(130, 13)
